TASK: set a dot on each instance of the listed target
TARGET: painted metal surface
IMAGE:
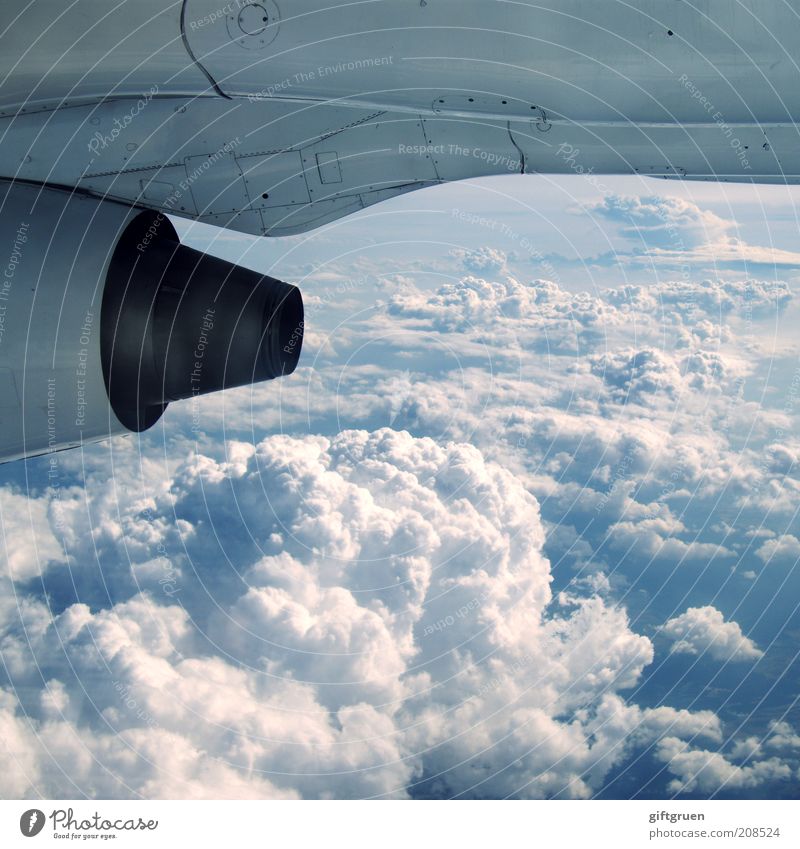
(237, 101)
(52, 392)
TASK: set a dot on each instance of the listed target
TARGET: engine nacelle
(105, 318)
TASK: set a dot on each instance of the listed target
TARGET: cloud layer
(392, 629)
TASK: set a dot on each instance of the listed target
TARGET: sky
(523, 523)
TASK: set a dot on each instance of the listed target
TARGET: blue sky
(523, 522)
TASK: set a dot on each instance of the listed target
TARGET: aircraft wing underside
(272, 118)
(278, 167)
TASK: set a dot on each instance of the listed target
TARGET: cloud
(28, 541)
(783, 458)
(675, 231)
(612, 436)
(481, 261)
(474, 304)
(732, 253)
(554, 371)
(631, 374)
(783, 549)
(697, 301)
(702, 630)
(708, 772)
(783, 736)
(659, 221)
(368, 615)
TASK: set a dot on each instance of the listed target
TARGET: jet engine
(105, 318)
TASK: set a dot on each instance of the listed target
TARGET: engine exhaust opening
(177, 323)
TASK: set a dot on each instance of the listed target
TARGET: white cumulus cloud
(368, 615)
(702, 630)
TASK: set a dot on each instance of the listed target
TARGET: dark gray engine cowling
(177, 323)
